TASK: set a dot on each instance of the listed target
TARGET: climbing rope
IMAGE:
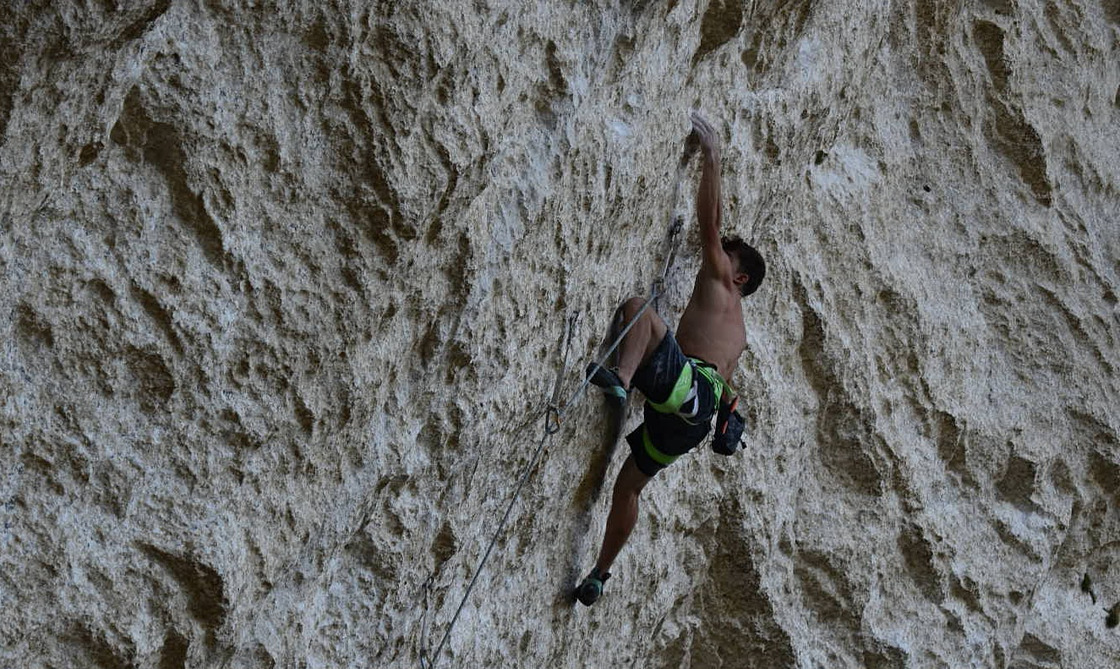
(554, 412)
(549, 430)
(551, 426)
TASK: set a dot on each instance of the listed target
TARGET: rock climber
(681, 377)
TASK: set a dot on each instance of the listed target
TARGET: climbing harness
(554, 412)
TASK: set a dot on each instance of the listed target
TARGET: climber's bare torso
(712, 325)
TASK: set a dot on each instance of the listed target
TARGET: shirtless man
(682, 378)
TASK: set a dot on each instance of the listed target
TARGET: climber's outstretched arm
(708, 199)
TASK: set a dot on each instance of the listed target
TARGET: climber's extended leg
(624, 512)
(620, 523)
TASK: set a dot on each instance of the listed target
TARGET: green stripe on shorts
(680, 391)
(657, 456)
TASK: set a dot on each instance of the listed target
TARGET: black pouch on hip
(729, 429)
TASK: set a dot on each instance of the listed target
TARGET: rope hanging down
(554, 413)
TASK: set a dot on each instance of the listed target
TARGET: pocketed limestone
(285, 288)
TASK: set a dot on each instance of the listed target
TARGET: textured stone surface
(283, 290)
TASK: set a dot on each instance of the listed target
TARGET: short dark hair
(750, 263)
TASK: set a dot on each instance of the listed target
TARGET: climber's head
(750, 268)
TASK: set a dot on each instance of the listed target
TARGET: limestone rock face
(285, 294)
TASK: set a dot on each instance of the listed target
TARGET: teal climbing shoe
(591, 588)
(607, 380)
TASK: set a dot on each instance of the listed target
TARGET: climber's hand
(706, 135)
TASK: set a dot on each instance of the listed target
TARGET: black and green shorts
(681, 398)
